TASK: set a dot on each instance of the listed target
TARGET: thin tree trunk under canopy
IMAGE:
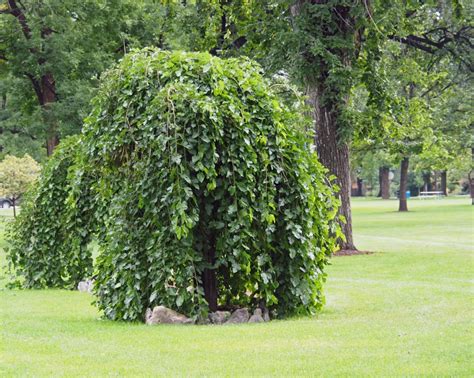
(471, 179)
(333, 153)
(46, 93)
(444, 182)
(384, 181)
(403, 206)
(427, 187)
(360, 187)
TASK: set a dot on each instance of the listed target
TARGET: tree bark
(403, 206)
(471, 179)
(427, 187)
(327, 98)
(210, 280)
(444, 182)
(360, 187)
(46, 97)
(334, 155)
(208, 276)
(384, 182)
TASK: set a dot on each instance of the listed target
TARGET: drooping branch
(36, 86)
(437, 39)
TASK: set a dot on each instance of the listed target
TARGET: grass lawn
(405, 310)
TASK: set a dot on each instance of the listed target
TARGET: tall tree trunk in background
(333, 153)
(427, 187)
(14, 207)
(360, 187)
(327, 96)
(44, 86)
(46, 97)
(471, 179)
(444, 182)
(384, 181)
(403, 206)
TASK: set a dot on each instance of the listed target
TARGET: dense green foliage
(198, 166)
(48, 240)
(195, 156)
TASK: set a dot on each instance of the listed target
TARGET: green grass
(405, 310)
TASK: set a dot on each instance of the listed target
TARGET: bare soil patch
(351, 252)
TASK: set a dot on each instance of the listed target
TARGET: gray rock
(164, 315)
(86, 286)
(219, 317)
(257, 316)
(239, 316)
(266, 315)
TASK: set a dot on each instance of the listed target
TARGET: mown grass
(405, 310)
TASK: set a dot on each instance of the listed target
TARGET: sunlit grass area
(406, 309)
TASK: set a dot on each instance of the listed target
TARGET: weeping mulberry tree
(207, 193)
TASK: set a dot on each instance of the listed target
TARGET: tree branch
(17, 12)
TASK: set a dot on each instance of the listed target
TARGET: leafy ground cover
(405, 310)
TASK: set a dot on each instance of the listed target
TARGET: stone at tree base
(85, 286)
(239, 316)
(219, 317)
(266, 314)
(257, 316)
(164, 315)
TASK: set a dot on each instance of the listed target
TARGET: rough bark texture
(332, 148)
(444, 182)
(384, 180)
(46, 96)
(334, 155)
(403, 185)
(208, 276)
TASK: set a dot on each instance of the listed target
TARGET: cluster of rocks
(164, 315)
(86, 286)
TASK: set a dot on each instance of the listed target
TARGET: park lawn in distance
(405, 310)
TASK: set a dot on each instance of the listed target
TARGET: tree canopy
(206, 194)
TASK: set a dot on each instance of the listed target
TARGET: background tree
(16, 176)
(54, 51)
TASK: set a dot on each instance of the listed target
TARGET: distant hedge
(206, 192)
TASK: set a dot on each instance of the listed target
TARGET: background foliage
(48, 240)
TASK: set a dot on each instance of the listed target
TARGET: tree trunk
(403, 206)
(471, 179)
(427, 187)
(210, 281)
(14, 207)
(328, 98)
(333, 153)
(360, 187)
(384, 179)
(444, 182)
(208, 276)
(46, 97)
